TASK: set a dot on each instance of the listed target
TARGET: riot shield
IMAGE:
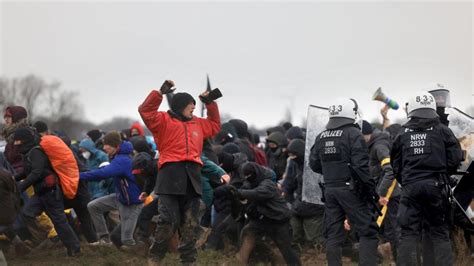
(317, 120)
(462, 126)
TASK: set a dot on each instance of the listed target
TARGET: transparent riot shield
(462, 126)
(317, 120)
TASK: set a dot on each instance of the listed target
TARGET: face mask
(86, 155)
(24, 149)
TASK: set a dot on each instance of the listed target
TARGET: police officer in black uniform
(339, 153)
(423, 155)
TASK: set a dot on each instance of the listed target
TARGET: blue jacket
(120, 169)
(104, 187)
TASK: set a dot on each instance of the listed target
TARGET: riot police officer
(340, 154)
(423, 155)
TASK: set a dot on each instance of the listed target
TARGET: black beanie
(24, 134)
(366, 128)
(180, 101)
(141, 145)
(41, 127)
(94, 134)
(231, 148)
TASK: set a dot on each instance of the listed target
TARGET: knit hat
(24, 134)
(41, 127)
(180, 101)
(141, 145)
(94, 134)
(16, 113)
(113, 139)
(366, 128)
(231, 148)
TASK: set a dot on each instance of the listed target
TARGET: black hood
(378, 136)
(254, 173)
(294, 133)
(241, 128)
(226, 135)
(297, 147)
(421, 123)
(231, 162)
(278, 138)
(28, 139)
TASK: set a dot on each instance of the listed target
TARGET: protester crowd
(204, 184)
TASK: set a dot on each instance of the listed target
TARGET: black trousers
(423, 206)
(224, 224)
(342, 202)
(79, 204)
(391, 228)
(52, 203)
(144, 219)
(279, 232)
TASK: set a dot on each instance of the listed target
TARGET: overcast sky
(265, 57)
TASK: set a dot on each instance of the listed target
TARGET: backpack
(9, 198)
(63, 162)
(260, 157)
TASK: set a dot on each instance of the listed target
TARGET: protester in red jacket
(179, 138)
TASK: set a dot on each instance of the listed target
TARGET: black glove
(234, 191)
(167, 87)
(213, 95)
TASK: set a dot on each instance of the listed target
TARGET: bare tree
(116, 123)
(39, 97)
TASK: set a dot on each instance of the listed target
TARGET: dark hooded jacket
(293, 184)
(379, 163)
(265, 201)
(277, 157)
(5, 164)
(36, 168)
(223, 199)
